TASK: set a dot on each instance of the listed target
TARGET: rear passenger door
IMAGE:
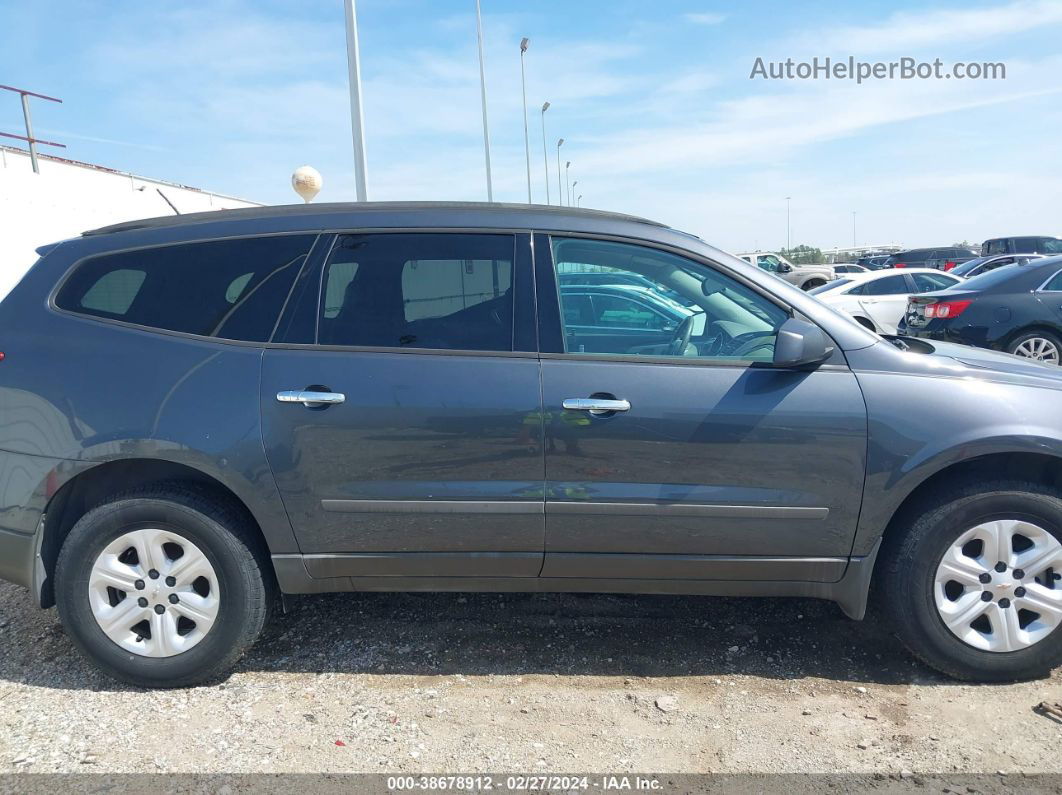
(885, 299)
(401, 412)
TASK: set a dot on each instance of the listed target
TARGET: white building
(68, 197)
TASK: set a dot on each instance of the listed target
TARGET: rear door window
(889, 285)
(231, 289)
(437, 291)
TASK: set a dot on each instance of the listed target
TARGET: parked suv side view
(942, 259)
(1030, 244)
(204, 412)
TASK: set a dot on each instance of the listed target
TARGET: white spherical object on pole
(307, 182)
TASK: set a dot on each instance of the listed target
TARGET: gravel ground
(559, 683)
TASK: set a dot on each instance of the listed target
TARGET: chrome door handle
(311, 399)
(596, 405)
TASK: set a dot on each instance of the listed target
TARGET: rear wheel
(1042, 346)
(162, 588)
(974, 588)
(811, 284)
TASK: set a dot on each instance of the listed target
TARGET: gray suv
(204, 413)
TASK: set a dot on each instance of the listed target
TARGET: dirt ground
(526, 683)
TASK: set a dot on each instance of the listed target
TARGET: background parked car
(848, 267)
(878, 299)
(806, 277)
(1016, 308)
(944, 258)
(975, 267)
(1030, 244)
(873, 261)
(634, 317)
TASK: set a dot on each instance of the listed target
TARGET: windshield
(825, 288)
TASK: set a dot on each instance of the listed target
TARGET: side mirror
(785, 267)
(800, 343)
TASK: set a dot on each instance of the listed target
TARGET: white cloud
(907, 31)
(705, 18)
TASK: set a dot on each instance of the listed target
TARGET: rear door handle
(311, 399)
(596, 405)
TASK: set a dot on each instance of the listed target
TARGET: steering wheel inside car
(681, 340)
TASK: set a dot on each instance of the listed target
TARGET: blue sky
(653, 99)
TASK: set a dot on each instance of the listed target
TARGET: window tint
(233, 289)
(442, 291)
(113, 292)
(928, 282)
(998, 246)
(1050, 245)
(684, 308)
(888, 285)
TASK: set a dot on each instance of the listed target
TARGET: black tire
(909, 563)
(811, 284)
(221, 532)
(1012, 346)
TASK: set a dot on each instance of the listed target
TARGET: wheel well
(1028, 330)
(1035, 467)
(811, 284)
(95, 486)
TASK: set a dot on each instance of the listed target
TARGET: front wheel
(973, 587)
(162, 588)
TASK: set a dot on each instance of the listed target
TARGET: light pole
(853, 230)
(788, 242)
(571, 192)
(545, 158)
(567, 186)
(579, 201)
(357, 117)
(483, 98)
(560, 189)
(523, 88)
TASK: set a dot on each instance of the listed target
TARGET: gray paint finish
(446, 471)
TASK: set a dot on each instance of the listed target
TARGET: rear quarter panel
(77, 392)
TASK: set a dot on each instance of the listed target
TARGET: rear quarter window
(230, 289)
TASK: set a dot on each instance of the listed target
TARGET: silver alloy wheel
(1039, 348)
(999, 586)
(154, 593)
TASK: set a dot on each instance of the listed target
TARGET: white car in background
(878, 299)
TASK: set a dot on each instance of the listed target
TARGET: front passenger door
(701, 461)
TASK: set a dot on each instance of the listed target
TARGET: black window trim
(52, 306)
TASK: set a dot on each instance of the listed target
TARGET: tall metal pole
(571, 193)
(560, 188)
(357, 117)
(29, 134)
(545, 157)
(579, 201)
(788, 243)
(483, 98)
(853, 230)
(567, 184)
(523, 88)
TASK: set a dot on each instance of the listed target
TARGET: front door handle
(310, 398)
(596, 406)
